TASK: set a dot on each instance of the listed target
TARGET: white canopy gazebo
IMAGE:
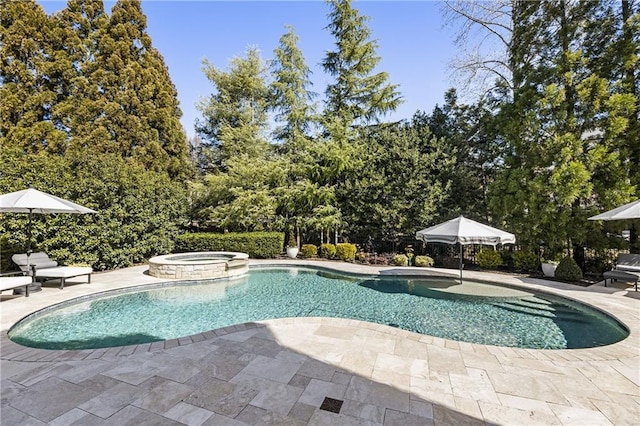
(465, 231)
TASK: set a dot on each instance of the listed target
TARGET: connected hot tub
(199, 265)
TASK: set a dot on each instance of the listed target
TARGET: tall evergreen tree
(358, 95)
(79, 29)
(291, 96)
(292, 100)
(239, 188)
(554, 170)
(236, 114)
(139, 110)
(28, 93)
(613, 51)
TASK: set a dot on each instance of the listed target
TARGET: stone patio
(281, 371)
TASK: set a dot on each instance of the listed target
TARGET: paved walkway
(280, 372)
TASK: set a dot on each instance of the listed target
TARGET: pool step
(558, 312)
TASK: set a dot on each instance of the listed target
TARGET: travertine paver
(279, 372)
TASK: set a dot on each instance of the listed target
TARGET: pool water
(509, 317)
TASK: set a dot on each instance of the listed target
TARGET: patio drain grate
(331, 405)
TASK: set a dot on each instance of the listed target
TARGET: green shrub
(488, 259)
(507, 259)
(327, 250)
(140, 212)
(568, 270)
(525, 260)
(346, 251)
(422, 261)
(256, 244)
(309, 250)
(400, 260)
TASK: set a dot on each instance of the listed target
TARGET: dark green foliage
(567, 128)
(139, 211)
(488, 259)
(568, 270)
(358, 95)
(346, 251)
(400, 183)
(400, 260)
(89, 113)
(7, 250)
(291, 97)
(328, 250)
(292, 240)
(235, 115)
(525, 260)
(467, 139)
(423, 261)
(309, 250)
(261, 245)
(82, 82)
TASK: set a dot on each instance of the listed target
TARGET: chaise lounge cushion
(628, 262)
(627, 269)
(41, 260)
(10, 283)
(63, 272)
(47, 268)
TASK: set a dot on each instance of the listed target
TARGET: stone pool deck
(279, 372)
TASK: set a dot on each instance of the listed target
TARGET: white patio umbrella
(628, 211)
(465, 231)
(33, 201)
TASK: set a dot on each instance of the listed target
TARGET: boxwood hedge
(262, 245)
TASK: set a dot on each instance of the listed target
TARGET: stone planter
(292, 252)
(549, 269)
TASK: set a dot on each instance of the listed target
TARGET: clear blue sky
(413, 44)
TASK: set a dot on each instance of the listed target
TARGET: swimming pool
(507, 317)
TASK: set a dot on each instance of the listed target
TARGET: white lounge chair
(13, 280)
(43, 267)
(626, 269)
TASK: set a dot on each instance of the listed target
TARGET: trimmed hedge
(423, 261)
(309, 250)
(488, 259)
(525, 261)
(327, 250)
(346, 251)
(400, 260)
(261, 245)
(568, 270)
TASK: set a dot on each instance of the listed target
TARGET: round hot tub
(199, 265)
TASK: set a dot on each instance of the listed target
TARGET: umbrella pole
(461, 263)
(29, 241)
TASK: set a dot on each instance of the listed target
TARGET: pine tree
(358, 95)
(139, 107)
(554, 168)
(28, 93)
(295, 112)
(80, 27)
(235, 116)
(291, 97)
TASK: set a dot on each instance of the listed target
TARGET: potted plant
(292, 247)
